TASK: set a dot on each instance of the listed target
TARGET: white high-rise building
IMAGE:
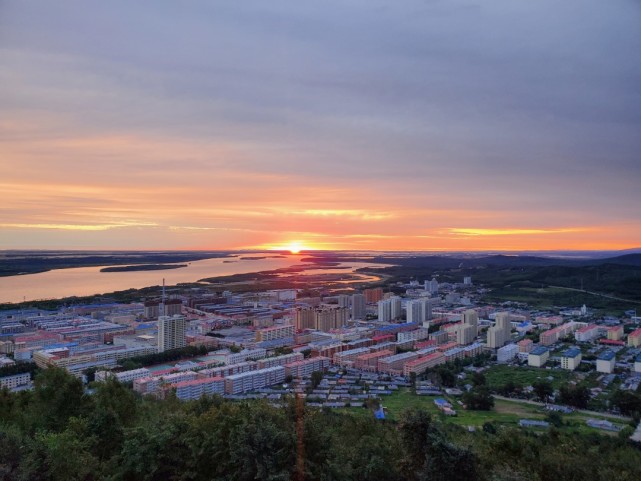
(343, 300)
(414, 310)
(171, 332)
(384, 310)
(431, 286)
(358, 307)
(396, 307)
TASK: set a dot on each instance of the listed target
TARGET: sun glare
(294, 247)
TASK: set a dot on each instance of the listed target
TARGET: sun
(294, 247)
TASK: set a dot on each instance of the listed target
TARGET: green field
(497, 376)
(506, 413)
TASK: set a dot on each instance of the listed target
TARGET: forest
(59, 431)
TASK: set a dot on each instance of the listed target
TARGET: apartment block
(507, 353)
(538, 356)
(125, 376)
(420, 365)
(250, 381)
(605, 362)
(634, 338)
(306, 367)
(275, 332)
(571, 358)
(14, 381)
(197, 388)
(394, 364)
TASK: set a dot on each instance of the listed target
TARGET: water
(88, 281)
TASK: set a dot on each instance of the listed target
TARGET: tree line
(59, 431)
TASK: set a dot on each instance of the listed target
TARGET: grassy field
(505, 413)
(524, 376)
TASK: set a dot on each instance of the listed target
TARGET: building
(15, 380)
(171, 332)
(125, 376)
(571, 358)
(499, 334)
(343, 300)
(373, 295)
(327, 318)
(637, 364)
(395, 364)
(275, 332)
(369, 361)
(634, 338)
(431, 286)
(197, 388)
(465, 334)
(507, 353)
(538, 356)
(420, 365)
(252, 380)
(358, 307)
(414, 311)
(306, 367)
(605, 362)
(280, 360)
(396, 307)
(471, 317)
(549, 337)
(615, 333)
(587, 333)
(384, 310)
(525, 345)
(414, 335)
(305, 318)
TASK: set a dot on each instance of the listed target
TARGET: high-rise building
(471, 317)
(171, 332)
(373, 295)
(305, 318)
(327, 318)
(343, 300)
(396, 307)
(431, 286)
(414, 310)
(358, 307)
(499, 334)
(385, 310)
(465, 334)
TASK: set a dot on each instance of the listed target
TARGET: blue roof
(606, 356)
(639, 358)
(538, 350)
(440, 401)
(572, 352)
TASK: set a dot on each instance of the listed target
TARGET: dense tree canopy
(58, 432)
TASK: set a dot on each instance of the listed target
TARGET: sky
(364, 124)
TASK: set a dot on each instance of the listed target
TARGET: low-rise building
(252, 380)
(15, 380)
(615, 333)
(525, 345)
(571, 358)
(507, 353)
(587, 333)
(196, 388)
(306, 367)
(125, 376)
(538, 356)
(634, 338)
(637, 364)
(605, 362)
(421, 364)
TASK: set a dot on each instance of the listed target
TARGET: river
(88, 281)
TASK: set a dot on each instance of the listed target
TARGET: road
(582, 411)
(596, 294)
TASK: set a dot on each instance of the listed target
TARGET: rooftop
(572, 352)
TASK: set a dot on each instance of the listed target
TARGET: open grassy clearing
(498, 376)
(506, 413)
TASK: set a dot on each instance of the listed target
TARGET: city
(320, 241)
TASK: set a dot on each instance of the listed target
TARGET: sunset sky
(414, 125)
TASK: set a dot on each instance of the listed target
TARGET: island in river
(142, 267)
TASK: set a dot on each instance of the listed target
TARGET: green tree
(543, 390)
(478, 399)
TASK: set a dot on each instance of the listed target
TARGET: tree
(316, 378)
(543, 390)
(577, 396)
(57, 397)
(478, 399)
(627, 402)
